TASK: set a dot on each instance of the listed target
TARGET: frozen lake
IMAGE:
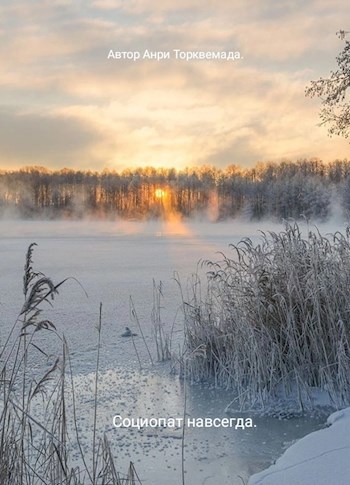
(113, 261)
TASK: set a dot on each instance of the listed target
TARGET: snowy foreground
(321, 458)
(126, 256)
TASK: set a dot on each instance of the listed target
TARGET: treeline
(305, 188)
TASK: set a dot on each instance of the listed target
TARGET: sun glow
(159, 193)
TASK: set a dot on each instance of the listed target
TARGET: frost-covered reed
(275, 318)
(162, 339)
(35, 444)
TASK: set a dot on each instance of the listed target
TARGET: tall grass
(34, 447)
(162, 339)
(275, 318)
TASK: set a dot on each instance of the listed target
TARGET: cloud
(56, 79)
(44, 139)
(197, 123)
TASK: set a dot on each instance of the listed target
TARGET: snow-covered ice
(320, 458)
(113, 261)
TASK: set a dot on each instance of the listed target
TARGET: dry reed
(275, 318)
(35, 450)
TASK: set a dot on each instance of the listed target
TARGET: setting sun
(160, 193)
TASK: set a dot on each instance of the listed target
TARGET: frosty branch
(335, 111)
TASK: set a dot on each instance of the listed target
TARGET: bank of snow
(320, 458)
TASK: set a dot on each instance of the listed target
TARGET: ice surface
(113, 261)
(320, 458)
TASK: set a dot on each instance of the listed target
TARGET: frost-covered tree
(333, 91)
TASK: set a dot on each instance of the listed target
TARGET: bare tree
(333, 91)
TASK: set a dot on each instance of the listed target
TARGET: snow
(320, 458)
(113, 260)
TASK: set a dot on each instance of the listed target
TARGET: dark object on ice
(128, 333)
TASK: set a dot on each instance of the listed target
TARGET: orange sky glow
(66, 104)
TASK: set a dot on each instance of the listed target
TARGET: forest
(307, 188)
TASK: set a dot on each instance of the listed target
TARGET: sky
(64, 103)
